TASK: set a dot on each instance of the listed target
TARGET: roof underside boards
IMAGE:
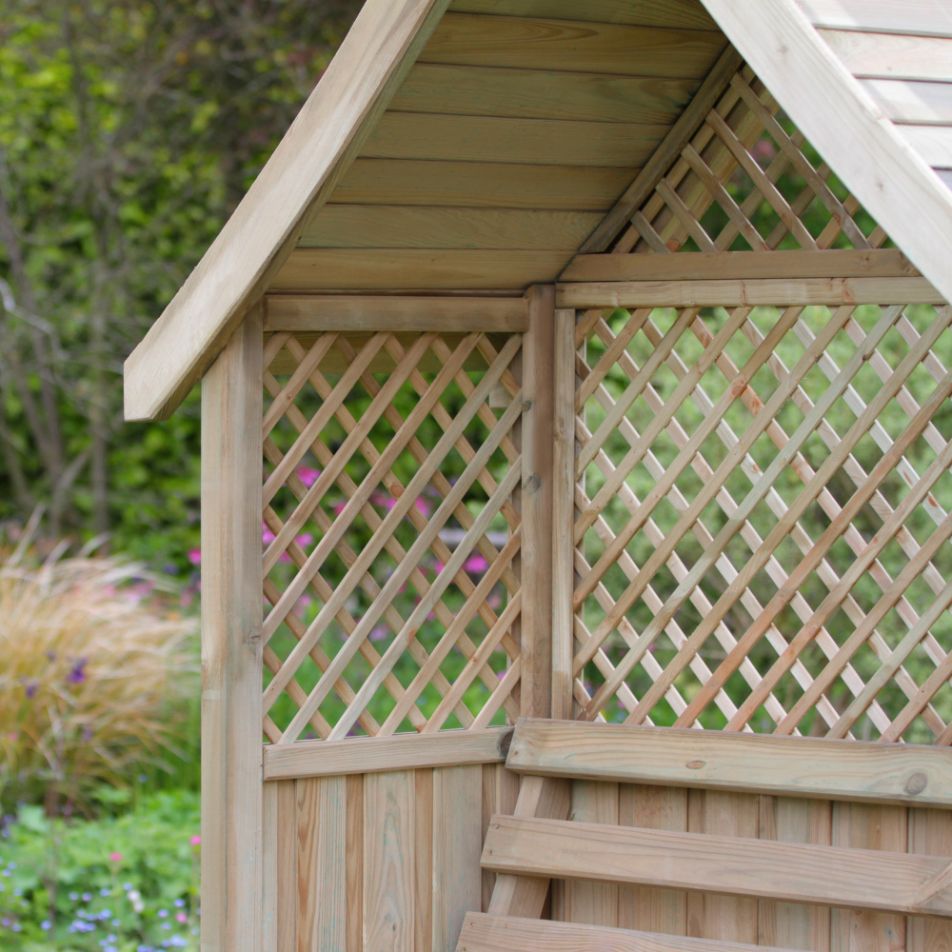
(517, 129)
(901, 53)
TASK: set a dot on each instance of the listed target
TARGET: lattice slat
(393, 533)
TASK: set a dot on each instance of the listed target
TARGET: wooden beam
(318, 313)
(232, 808)
(865, 150)
(670, 148)
(790, 291)
(782, 766)
(321, 758)
(740, 265)
(484, 933)
(318, 148)
(793, 872)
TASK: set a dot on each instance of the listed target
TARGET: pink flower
(476, 565)
(267, 536)
(305, 539)
(115, 857)
(196, 840)
(181, 917)
(195, 556)
(423, 507)
(308, 475)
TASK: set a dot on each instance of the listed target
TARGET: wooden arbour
(570, 371)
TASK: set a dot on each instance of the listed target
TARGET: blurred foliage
(128, 132)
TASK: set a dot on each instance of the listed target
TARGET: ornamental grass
(93, 672)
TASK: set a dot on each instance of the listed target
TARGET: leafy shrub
(92, 678)
(127, 884)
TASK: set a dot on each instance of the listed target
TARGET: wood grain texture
(575, 46)
(300, 174)
(889, 56)
(800, 766)
(908, 101)
(588, 901)
(917, 17)
(542, 94)
(481, 185)
(400, 226)
(232, 802)
(930, 832)
(933, 143)
(497, 934)
(859, 878)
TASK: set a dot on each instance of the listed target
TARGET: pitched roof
(480, 144)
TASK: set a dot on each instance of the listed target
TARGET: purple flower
(195, 556)
(30, 688)
(77, 674)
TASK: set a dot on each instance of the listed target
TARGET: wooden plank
(424, 858)
(918, 17)
(500, 794)
(336, 269)
(587, 901)
(354, 863)
(407, 135)
(401, 226)
(755, 763)
(481, 185)
(375, 754)
(538, 94)
(865, 879)
(537, 496)
(483, 933)
(563, 514)
(389, 861)
(889, 56)
(315, 314)
(677, 138)
(457, 841)
(687, 14)
(933, 143)
(575, 46)
(739, 265)
(317, 149)
(907, 101)
(801, 70)
(767, 292)
(870, 828)
(643, 907)
(930, 832)
(232, 807)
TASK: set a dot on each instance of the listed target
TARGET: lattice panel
(748, 181)
(762, 520)
(391, 533)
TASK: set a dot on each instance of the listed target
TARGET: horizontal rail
(754, 293)
(740, 265)
(378, 754)
(785, 766)
(310, 313)
(793, 872)
(483, 933)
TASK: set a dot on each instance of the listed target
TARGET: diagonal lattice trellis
(748, 181)
(762, 522)
(391, 533)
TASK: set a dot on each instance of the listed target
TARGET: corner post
(231, 645)
(538, 356)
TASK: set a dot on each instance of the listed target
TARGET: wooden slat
(930, 831)
(232, 806)
(796, 766)
(768, 292)
(481, 185)
(864, 879)
(888, 56)
(933, 143)
(576, 46)
(374, 754)
(917, 17)
(315, 314)
(401, 226)
(411, 136)
(336, 269)
(907, 101)
(687, 14)
(482, 933)
(739, 265)
(538, 94)
(680, 134)
(300, 175)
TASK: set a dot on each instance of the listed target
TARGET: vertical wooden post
(231, 645)
(563, 545)
(538, 357)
